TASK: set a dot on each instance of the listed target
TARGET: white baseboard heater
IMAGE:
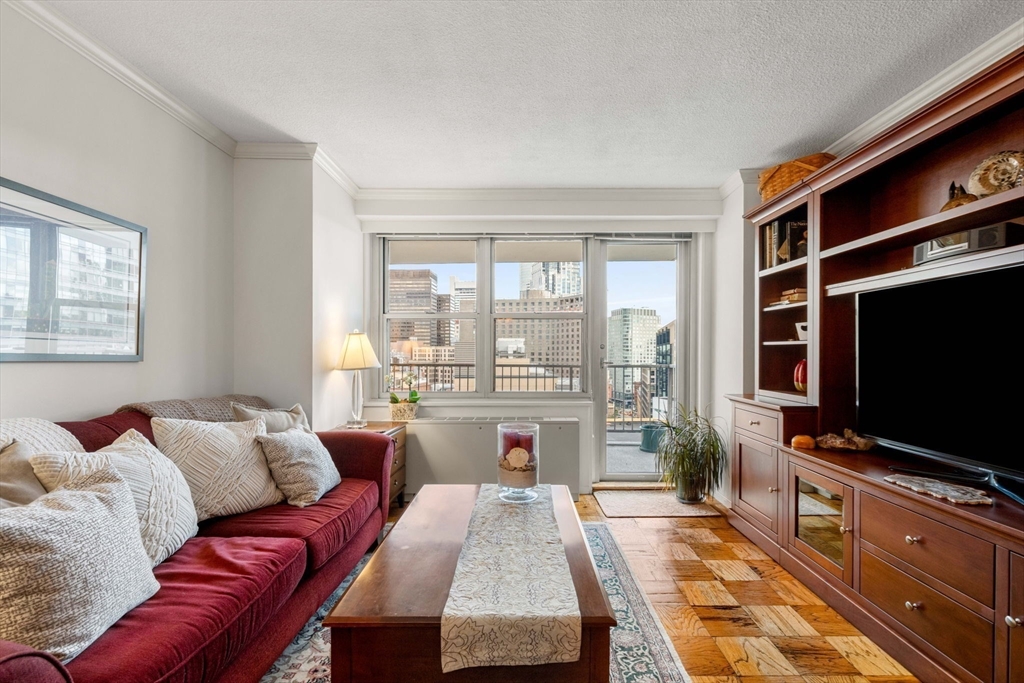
(453, 450)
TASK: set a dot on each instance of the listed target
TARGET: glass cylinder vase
(518, 461)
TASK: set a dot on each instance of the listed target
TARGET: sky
(650, 284)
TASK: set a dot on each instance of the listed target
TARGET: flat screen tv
(940, 370)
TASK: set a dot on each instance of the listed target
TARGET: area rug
(641, 650)
(649, 504)
(810, 506)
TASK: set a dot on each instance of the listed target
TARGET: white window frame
(484, 317)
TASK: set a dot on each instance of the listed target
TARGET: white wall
(273, 252)
(732, 310)
(337, 297)
(71, 129)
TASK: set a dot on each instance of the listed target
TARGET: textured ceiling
(543, 94)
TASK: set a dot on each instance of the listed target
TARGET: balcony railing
(456, 377)
(639, 395)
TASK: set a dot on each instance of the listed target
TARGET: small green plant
(692, 454)
(409, 380)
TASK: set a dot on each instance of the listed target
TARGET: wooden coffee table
(387, 626)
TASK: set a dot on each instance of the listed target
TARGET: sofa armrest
(19, 663)
(363, 455)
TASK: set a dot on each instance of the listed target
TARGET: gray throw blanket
(215, 409)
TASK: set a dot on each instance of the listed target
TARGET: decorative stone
(518, 457)
(962, 495)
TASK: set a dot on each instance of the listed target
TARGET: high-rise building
(665, 348)
(557, 278)
(553, 344)
(463, 300)
(632, 334)
(445, 327)
(412, 291)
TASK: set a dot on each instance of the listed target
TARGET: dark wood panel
(399, 461)
(758, 479)
(1015, 635)
(397, 482)
(961, 560)
(952, 629)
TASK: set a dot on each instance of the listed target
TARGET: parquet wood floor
(734, 615)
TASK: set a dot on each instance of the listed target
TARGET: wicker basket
(772, 181)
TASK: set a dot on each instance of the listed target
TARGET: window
(529, 310)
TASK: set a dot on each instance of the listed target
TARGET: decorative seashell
(518, 457)
(997, 173)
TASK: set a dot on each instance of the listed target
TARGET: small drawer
(953, 630)
(399, 460)
(399, 438)
(956, 558)
(757, 423)
(397, 482)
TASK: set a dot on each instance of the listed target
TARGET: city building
(412, 291)
(664, 355)
(632, 334)
(557, 278)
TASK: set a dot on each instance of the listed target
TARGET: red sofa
(232, 598)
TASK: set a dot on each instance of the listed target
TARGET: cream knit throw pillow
(222, 463)
(73, 564)
(163, 502)
(301, 466)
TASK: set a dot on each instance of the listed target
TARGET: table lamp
(357, 355)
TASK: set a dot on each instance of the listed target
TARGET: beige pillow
(222, 463)
(73, 564)
(18, 483)
(163, 502)
(301, 466)
(278, 420)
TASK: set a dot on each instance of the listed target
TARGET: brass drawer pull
(911, 540)
(754, 422)
(913, 606)
(1014, 623)
(773, 489)
(845, 530)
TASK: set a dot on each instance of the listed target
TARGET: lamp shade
(357, 354)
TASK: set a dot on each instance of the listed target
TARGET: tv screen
(940, 368)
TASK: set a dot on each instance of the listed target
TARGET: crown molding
(331, 168)
(485, 226)
(54, 24)
(972, 64)
(542, 194)
(744, 176)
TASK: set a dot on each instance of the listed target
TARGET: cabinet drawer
(953, 630)
(397, 482)
(956, 558)
(399, 438)
(399, 461)
(756, 423)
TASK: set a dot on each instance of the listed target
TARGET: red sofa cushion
(325, 526)
(102, 431)
(215, 595)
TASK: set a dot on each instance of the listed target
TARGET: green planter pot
(650, 437)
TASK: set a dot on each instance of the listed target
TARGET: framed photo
(72, 280)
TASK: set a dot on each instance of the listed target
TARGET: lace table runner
(512, 600)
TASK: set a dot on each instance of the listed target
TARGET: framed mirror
(72, 280)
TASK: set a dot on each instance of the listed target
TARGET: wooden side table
(396, 430)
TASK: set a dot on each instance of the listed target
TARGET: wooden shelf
(971, 263)
(995, 209)
(800, 262)
(793, 396)
(785, 307)
(792, 342)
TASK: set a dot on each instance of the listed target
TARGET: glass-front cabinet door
(820, 521)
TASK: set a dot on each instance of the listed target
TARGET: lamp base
(355, 424)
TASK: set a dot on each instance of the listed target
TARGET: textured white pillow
(73, 564)
(163, 502)
(222, 463)
(277, 419)
(301, 466)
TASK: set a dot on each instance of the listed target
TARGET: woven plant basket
(772, 181)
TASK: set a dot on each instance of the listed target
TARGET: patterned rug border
(648, 659)
(631, 510)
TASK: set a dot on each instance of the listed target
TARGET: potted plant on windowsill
(403, 409)
(692, 454)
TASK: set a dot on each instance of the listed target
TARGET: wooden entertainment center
(939, 586)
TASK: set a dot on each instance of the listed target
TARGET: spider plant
(692, 454)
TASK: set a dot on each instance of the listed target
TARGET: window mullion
(485, 317)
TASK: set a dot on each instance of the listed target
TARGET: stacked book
(791, 296)
(784, 241)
